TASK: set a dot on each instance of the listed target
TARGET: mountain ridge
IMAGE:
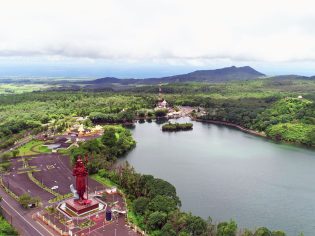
(215, 75)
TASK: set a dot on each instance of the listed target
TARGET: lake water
(227, 174)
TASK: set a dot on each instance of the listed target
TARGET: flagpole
(87, 181)
(87, 177)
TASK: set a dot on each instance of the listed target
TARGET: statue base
(83, 206)
(83, 202)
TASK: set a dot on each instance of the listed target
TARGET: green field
(22, 88)
(32, 148)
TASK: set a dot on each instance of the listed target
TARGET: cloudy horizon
(142, 38)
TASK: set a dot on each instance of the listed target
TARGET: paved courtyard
(55, 171)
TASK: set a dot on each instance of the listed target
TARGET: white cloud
(193, 31)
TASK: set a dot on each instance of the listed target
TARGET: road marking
(97, 228)
(25, 219)
(44, 228)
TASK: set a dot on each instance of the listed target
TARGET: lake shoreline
(249, 131)
(232, 125)
(215, 152)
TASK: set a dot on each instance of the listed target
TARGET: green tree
(109, 137)
(168, 230)
(156, 220)
(247, 232)
(25, 199)
(227, 228)
(150, 114)
(196, 225)
(184, 233)
(161, 112)
(140, 205)
(144, 183)
(6, 228)
(162, 203)
(262, 231)
(15, 152)
(161, 187)
(278, 233)
(5, 166)
(5, 157)
(141, 113)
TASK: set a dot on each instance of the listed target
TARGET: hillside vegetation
(290, 119)
(268, 105)
(6, 228)
(33, 112)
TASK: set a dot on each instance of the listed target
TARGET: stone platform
(80, 209)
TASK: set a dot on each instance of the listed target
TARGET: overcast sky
(273, 36)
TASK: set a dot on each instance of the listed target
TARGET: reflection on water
(224, 173)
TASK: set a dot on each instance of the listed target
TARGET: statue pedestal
(82, 208)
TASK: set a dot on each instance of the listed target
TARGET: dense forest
(33, 112)
(104, 151)
(289, 119)
(271, 106)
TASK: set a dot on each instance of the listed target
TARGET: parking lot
(20, 184)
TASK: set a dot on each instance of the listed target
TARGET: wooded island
(177, 127)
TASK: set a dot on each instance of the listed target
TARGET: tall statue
(80, 172)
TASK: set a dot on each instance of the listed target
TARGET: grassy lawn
(40, 148)
(63, 151)
(36, 145)
(104, 181)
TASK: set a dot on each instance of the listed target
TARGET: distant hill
(291, 77)
(218, 75)
(113, 80)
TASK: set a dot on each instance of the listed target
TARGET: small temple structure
(79, 130)
(162, 103)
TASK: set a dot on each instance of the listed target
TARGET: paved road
(22, 219)
(17, 145)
